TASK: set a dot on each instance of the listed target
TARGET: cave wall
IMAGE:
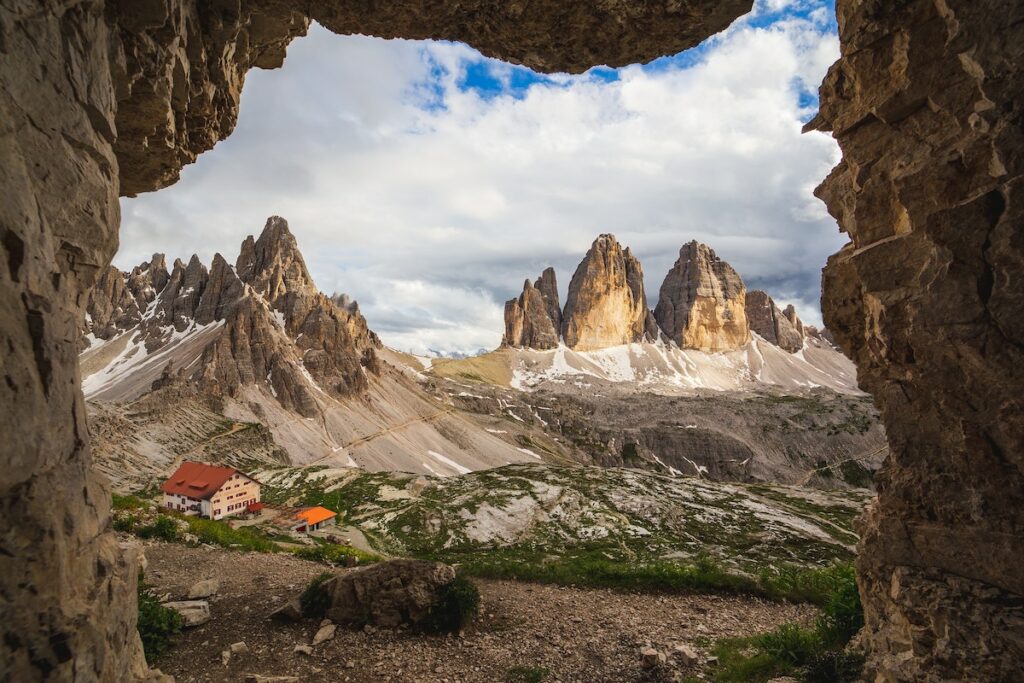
(928, 299)
(108, 98)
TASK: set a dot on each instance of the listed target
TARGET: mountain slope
(259, 341)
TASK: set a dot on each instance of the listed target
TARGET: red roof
(196, 480)
(255, 507)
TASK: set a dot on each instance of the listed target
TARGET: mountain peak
(702, 302)
(272, 264)
(606, 304)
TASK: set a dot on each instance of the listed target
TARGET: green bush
(834, 666)
(458, 604)
(125, 523)
(526, 674)
(156, 623)
(843, 614)
(314, 599)
(119, 502)
(334, 553)
(163, 527)
(817, 654)
(219, 533)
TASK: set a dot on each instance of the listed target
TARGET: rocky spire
(528, 321)
(548, 288)
(606, 304)
(702, 300)
(775, 327)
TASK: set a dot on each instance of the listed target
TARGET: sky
(428, 181)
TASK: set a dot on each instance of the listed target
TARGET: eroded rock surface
(528, 321)
(388, 593)
(262, 320)
(606, 304)
(926, 102)
(774, 326)
(702, 302)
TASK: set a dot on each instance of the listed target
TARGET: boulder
(194, 612)
(289, 611)
(388, 593)
(324, 634)
(203, 589)
(651, 657)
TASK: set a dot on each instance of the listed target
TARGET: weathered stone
(528, 321)
(702, 302)
(686, 654)
(239, 648)
(774, 326)
(203, 589)
(194, 612)
(547, 285)
(289, 611)
(324, 633)
(257, 678)
(606, 305)
(303, 649)
(926, 103)
(651, 657)
(388, 593)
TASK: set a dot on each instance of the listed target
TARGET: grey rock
(194, 612)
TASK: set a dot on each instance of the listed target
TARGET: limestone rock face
(606, 305)
(273, 326)
(547, 285)
(528, 321)
(702, 302)
(926, 102)
(773, 325)
(100, 99)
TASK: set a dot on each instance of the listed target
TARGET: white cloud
(432, 215)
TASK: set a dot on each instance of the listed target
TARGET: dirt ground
(576, 635)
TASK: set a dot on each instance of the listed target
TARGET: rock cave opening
(103, 99)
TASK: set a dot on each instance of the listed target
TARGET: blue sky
(428, 181)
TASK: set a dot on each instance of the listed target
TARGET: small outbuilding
(311, 519)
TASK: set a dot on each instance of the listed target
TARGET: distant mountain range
(252, 365)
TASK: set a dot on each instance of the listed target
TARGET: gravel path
(577, 635)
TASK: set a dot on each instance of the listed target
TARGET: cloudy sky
(428, 181)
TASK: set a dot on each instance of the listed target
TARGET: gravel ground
(576, 635)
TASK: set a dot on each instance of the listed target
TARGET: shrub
(335, 553)
(156, 623)
(458, 604)
(125, 523)
(526, 674)
(119, 502)
(219, 533)
(163, 527)
(314, 599)
(834, 666)
(815, 654)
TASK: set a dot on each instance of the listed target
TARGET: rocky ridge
(261, 320)
(774, 326)
(703, 305)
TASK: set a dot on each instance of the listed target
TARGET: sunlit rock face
(606, 305)
(926, 102)
(702, 302)
(771, 324)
